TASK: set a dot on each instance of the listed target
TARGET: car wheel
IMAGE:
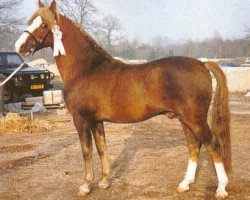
(7, 94)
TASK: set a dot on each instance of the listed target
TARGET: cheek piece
(39, 43)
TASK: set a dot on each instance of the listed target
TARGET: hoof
(221, 195)
(104, 184)
(182, 190)
(83, 190)
(183, 186)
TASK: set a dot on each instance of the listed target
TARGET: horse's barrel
(1, 97)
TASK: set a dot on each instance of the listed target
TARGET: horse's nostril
(21, 47)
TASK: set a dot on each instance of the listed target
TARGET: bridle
(39, 42)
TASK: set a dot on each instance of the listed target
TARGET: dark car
(28, 80)
(230, 64)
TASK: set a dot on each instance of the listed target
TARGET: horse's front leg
(99, 135)
(83, 127)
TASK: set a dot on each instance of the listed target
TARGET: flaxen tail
(221, 115)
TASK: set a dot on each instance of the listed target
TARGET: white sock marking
(190, 175)
(222, 179)
(35, 24)
(84, 188)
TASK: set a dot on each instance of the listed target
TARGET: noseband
(40, 42)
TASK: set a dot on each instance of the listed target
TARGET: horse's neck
(82, 53)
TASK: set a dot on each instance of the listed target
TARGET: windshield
(10, 59)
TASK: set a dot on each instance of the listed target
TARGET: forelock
(46, 16)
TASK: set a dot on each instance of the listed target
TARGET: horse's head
(39, 32)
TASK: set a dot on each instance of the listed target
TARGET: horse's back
(170, 84)
(171, 78)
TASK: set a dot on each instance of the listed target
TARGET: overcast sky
(177, 19)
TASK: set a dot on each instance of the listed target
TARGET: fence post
(1, 97)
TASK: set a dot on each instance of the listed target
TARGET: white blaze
(35, 24)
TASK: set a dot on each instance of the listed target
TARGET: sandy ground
(148, 160)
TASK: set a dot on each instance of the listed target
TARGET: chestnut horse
(99, 88)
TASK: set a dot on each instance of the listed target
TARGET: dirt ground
(148, 160)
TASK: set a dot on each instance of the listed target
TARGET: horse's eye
(44, 25)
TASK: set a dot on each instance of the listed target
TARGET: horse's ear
(40, 4)
(52, 6)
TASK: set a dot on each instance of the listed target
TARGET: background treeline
(159, 47)
(107, 30)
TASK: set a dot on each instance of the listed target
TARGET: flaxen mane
(46, 15)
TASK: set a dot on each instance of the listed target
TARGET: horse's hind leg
(194, 146)
(99, 135)
(83, 129)
(202, 131)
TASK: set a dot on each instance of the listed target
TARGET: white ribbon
(58, 45)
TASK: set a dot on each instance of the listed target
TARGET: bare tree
(217, 43)
(247, 38)
(82, 11)
(9, 16)
(10, 22)
(159, 45)
(109, 32)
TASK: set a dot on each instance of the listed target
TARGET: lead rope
(10, 76)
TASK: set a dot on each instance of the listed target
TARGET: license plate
(37, 87)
